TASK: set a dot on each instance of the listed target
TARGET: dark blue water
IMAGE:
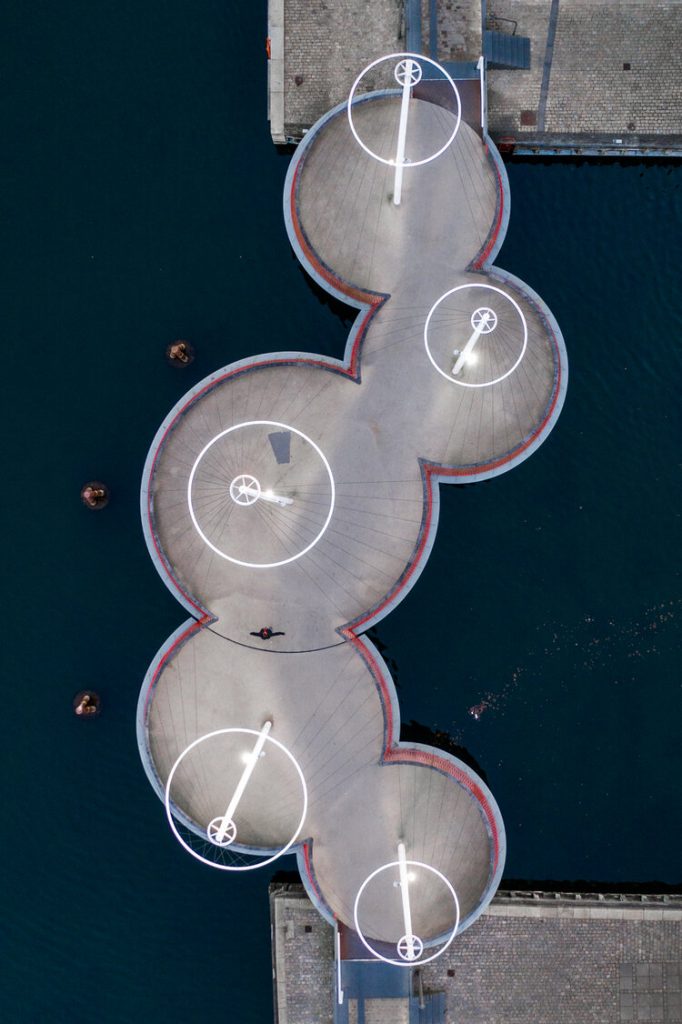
(141, 201)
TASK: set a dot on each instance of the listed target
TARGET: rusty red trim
(167, 655)
(320, 363)
(416, 558)
(483, 256)
(371, 299)
(307, 861)
(403, 755)
(411, 755)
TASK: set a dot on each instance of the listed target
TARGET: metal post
(402, 130)
(484, 98)
(481, 327)
(243, 782)
(339, 990)
(405, 894)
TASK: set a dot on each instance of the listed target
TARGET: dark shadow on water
(544, 885)
(669, 164)
(415, 732)
(344, 313)
(392, 665)
(583, 886)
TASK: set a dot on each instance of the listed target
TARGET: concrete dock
(603, 78)
(532, 958)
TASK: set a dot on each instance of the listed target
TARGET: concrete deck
(335, 715)
(302, 494)
(543, 958)
(408, 411)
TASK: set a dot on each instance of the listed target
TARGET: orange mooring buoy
(95, 494)
(87, 704)
(180, 353)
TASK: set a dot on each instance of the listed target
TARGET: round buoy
(180, 353)
(87, 704)
(95, 494)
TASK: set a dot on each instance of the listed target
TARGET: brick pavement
(616, 69)
(615, 73)
(539, 958)
(458, 32)
(326, 44)
(544, 965)
(303, 958)
(510, 92)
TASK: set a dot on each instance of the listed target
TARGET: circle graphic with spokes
(410, 947)
(407, 69)
(253, 781)
(407, 72)
(245, 489)
(402, 894)
(261, 494)
(221, 832)
(484, 320)
(475, 335)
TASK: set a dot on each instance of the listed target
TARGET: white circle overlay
(405, 962)
(260, 423)
(194, 853)
(490, 330)
(419, 58)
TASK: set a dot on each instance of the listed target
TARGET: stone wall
(303, 958)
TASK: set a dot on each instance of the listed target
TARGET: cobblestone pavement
(546, 966)
(616, 68)
(627, 60)
(614, 71)
(458, 30)
(554, 959)
(326, 45)
(303, 958)
(510, 92)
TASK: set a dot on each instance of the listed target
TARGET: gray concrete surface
(614, 71)
(374, 434)
(328, 710)
(557, 963)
